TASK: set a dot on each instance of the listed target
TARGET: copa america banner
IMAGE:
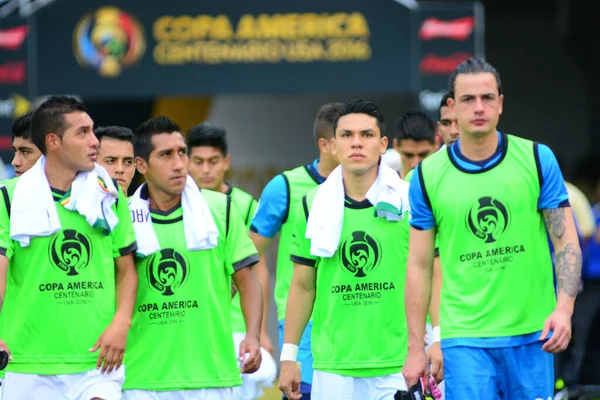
(134, 48)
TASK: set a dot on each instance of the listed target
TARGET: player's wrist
(435, 334)
(565, 307)
(416, 347)
(252, 337)
(415, 344)
(122, 319)
(264, 331)
(289, 352)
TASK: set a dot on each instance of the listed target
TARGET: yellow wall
(185, 111)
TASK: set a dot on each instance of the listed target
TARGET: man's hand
(265, 342)
(416, 366)
(560, 323)
(112, 345)
(251, 347)
(289, 380)
(436, 359)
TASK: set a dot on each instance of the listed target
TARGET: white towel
(93, 194)
(201, 232)
(33, 212)
(388, 194)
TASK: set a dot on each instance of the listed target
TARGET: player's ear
(227, 162)
(141, 165)
(451, 103)
(501, 103)
(383, 144)
(322, 144)
(53, 142)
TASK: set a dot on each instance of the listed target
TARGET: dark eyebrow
(84, 127)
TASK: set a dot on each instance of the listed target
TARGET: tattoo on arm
(555, 222)
(568, 269)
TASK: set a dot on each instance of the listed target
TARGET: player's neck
(59, 176)
(162, 201)
(479, 148)
(324, 168)
(356, 186)
(222, 188)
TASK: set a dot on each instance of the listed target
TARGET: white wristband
(435, 334)
(289, 352)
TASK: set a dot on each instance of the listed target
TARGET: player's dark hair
(114, 132)
(49, 117)
(473, 66)
(323, 127)
(22, 126)
(415, 125)
(207, 134)
(444, 101)
(143, 145)
(360, 106)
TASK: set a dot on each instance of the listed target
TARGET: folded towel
(388, 194)
(201, 232)
(33, 212)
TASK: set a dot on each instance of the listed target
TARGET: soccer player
(71, 285)
(447, 125)
(209, 161)
(191, 243)
(500, 320)
(353, 289)
(26, 153)
(115, 153)
(415, 139)
(275, 214)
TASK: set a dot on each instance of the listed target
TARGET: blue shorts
(305, 357)
(509, 373)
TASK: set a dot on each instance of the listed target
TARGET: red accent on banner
(13, 72)
(458, 29)
(13, 38)
(433, 64)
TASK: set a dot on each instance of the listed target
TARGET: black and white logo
(167, 271)
(70, 251)
(360, 254)
(488, 219)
